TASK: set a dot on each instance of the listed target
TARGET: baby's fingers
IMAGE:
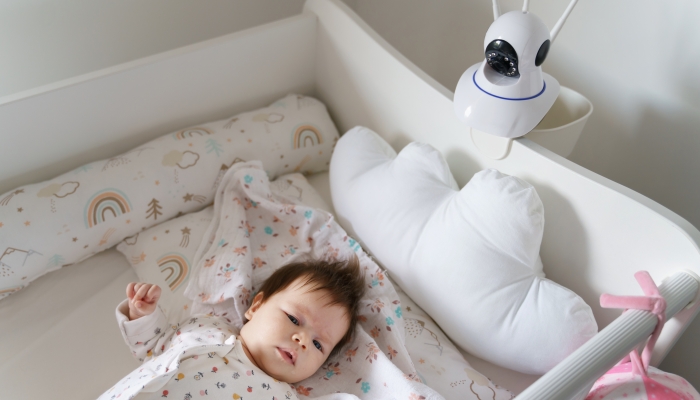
(141, 290)
(153, 294)
(130, 290)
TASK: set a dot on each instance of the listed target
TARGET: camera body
(507, 94)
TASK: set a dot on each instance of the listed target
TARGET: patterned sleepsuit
(198, 357)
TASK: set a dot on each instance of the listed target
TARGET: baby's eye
(293, 319)
(318, 345)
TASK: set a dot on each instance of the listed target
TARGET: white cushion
(470, 257)
(51, 224)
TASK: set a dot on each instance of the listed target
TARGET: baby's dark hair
(343, 280)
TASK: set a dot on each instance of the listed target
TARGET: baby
(303, 314)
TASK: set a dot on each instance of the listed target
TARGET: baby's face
(291, 334)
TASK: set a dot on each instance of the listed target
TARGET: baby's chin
(288, 378)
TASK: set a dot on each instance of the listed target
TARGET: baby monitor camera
(507, 94)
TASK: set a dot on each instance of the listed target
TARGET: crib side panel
(597, 233)
(62, 126)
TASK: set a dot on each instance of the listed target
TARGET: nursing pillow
(55, 223)
(469, 257)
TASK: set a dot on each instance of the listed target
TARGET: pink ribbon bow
(652, 302)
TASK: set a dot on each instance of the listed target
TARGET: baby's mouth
(289, 356)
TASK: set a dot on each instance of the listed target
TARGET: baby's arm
(143, 325)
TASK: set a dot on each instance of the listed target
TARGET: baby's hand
(143, 298)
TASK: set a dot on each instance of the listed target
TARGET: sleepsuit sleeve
(146, 336)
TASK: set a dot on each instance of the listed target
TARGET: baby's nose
(298, 340)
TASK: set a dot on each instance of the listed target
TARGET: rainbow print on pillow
(105, 204)
(306, 135)
(175, 268)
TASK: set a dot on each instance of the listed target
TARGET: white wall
(638, 61)
(44, 41)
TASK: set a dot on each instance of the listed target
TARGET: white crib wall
(64, 125)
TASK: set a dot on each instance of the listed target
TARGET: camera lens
(501, 56)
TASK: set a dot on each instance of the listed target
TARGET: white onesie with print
(197, 357)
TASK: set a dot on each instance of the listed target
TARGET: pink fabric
(622, 383)
(633, 378)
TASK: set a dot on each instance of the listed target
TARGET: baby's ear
(257, 302)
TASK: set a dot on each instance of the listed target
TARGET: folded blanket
(254, 232)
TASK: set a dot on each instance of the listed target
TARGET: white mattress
(59, 338)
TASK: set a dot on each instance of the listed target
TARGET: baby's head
(304, 313)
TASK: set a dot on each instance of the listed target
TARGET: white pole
(555, 31)
(496, 10)
(526, 6)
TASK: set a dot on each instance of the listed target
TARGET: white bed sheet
(59, 339)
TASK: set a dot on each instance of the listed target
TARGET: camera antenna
(526, 6)
(496, 10)
(555, 31)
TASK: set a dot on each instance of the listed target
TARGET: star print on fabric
(188, 197)
(20, 209)
(1, 225)
(75, 239)
(27, 223)
(157, 183)
(142, 257)
(185, 231)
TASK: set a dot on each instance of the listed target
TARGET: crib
(597, 235)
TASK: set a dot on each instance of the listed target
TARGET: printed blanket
(254, 232)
